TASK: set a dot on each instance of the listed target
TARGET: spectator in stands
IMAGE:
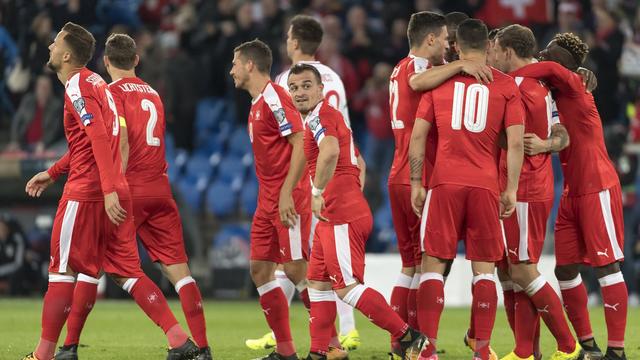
(12, 250)
(35, 52)
(37, 125)
(373, 101)
(396, 46)
(8, 57)
(568, 21)
(361, 41)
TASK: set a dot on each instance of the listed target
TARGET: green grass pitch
(118, 330)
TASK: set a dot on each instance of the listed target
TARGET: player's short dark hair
(472, 34)
(494, 33)
(258, 52)
(121, 51)
(574, 45)
(519, 38)
(80, 41)
(454, 18)
(422, 24)
(300, 68)
(308, 32)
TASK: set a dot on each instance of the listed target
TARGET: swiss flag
(496, 13)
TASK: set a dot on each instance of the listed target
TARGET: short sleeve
(555, 115)
(323, 124)
(514, 110)
(417, 66)
(118, 100)
(425, 108)
(287, 117)
(84, 104)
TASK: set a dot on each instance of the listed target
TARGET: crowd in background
(186, 47)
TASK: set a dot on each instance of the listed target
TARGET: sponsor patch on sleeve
(280, 116)
(78, 104)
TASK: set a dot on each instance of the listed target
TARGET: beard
(55, 68)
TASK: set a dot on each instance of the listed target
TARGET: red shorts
(121, 256)
(77, 241)
(159, 227)
(272, 241)
(453, 212)
(525, 231)
(406, 223)
(590, 229)
(338, 252)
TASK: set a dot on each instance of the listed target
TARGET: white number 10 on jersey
(475, 107)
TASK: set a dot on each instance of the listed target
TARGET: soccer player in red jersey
(525, 230)
(337, 260)
(84, 240)
(141, 121)
(282, 221)
(427, 35)
(589, 228)
(463, 196)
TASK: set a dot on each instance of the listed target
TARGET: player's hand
(533, 145)
(286, 207)
(588, 78)
(507, 204)
(480, 71)
(418, 196)
(317, 205)
(38, 183)
(115, 212)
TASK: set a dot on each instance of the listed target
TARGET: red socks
(574, 297)
(431, 304)
(615, 298)
(525, 315)
(84, 297)
(400, 295)
(151, 300)
(276, 310)
(191, 301)
(412, 302)
(322, 320)
(509, 303)
(485, 301)
(55, 309)
(373, 305)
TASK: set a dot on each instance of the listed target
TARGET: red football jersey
(469, 118)
(93, 133)
(143, 112)
(536, 177)
(585, 163)
(271, 119)
(403, 103)
(344, 200)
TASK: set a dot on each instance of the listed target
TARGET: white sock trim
(184, 281)
(87, 279)
(517, 288)
(570, 284)
(280, 274)
(479, 277)
(129, 284)
(535, 286)
(415, 282)
(271, 285)
(354, 295)
(61, 278)
(321, 295)
(507, 285)
(611, 279)
(301, 285)
(404, 281)
(431, 276)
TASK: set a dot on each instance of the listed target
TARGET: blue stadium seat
(190, 193)
(208, 112)
(382, 217)
(231, 171)
(221, 200)
(230, 231)
(249, 197)
(239, 143)
(198, 166)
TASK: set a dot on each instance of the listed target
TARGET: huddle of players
(450, 131)
(117, 186)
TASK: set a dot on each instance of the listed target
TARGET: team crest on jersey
(78, 105)
(280, 115)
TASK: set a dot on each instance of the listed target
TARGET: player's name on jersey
(131, 87)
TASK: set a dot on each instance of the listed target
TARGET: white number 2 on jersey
(393, 98)
(148, 105)
(475, 107)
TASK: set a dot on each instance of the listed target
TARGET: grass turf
(118, 330)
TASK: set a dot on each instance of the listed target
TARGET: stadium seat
(208, 112)
(188, 189)
(249, 197)
(198, 166)
(221, 199)
(231, 171)
(230, 246)
(239, 142)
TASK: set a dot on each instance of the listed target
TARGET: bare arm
(436, 75)
(286, 206)
(515, 154)
(325, 167)
(416, 162)
(362, 165)
(557, 141)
